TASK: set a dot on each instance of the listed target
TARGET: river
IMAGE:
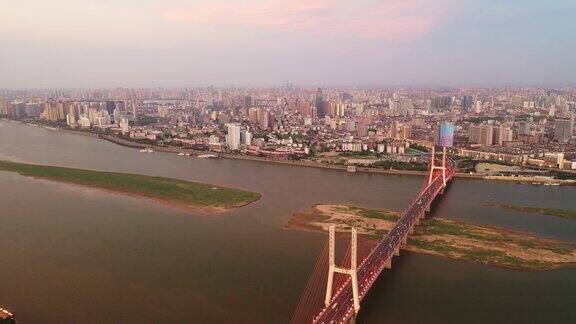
(78, 255)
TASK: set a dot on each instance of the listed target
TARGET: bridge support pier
(397, 251)
(388, 264)
(352, 320)
(332, 268)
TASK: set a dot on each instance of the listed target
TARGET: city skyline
(265, 43)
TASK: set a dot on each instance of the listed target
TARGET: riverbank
(554, 212)
(179, 193)
(304, 163)
(445, 238)
(535, 180)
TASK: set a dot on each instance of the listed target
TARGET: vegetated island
(180, 193)
(446, 238)
(562, 213)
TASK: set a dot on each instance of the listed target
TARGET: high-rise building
(487, 135)
(34, 109)
(501, 134)
(320, 104)
(336, 109)
(563, 129)
(474, 134)
(442, 102)
(253, 115)
(17, 109)
(71, 120)
(362, 129)
(478, 107)
(481, 134)
(406, 132)
(50, 111)
(248, 102)
(306, 109)
(84, 121)
(124, 125)
(246, 137)
(395, 129)
(99, 117)
(263, 118)
(110, 106)
(118, 116)
(444, 134)
(233, 136)
(55, 111)
(467, 102)
(134, 108)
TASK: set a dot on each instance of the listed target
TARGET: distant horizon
(569, 86)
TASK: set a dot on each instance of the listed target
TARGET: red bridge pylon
(433, 165)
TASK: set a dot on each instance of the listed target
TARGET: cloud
(390, 19)
(267, 13)
(398, 19)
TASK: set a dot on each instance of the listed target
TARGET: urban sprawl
(520, 130)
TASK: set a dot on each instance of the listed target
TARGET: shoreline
(204, 190)
(452, 240)
(165, 202)
(176, 150)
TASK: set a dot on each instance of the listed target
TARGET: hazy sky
(53, 43)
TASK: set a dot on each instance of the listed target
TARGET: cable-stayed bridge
(346, 285)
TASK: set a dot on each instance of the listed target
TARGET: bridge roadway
(341, 307)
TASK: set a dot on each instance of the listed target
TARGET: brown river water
(79, 255)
